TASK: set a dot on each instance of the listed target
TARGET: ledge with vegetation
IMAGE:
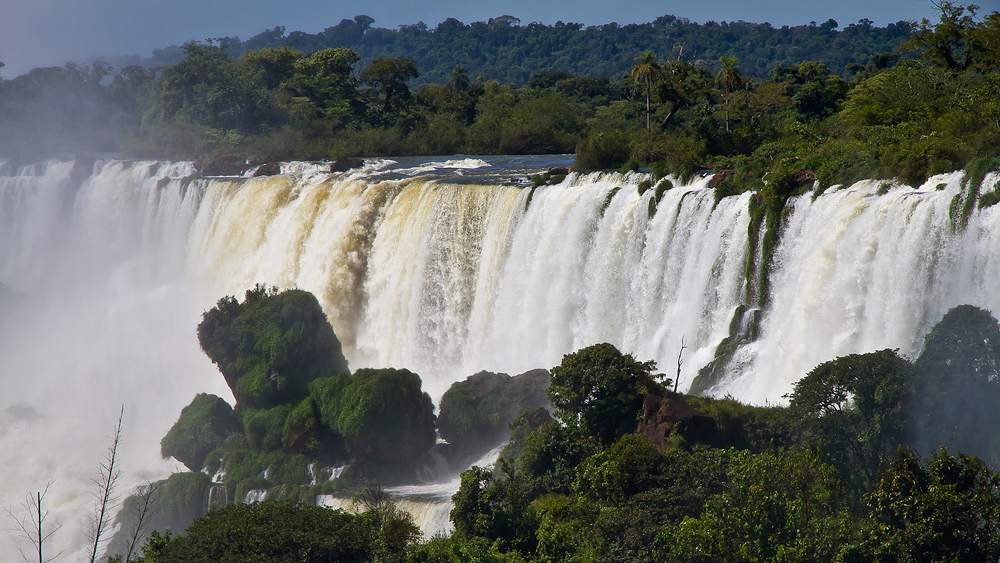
(628, 470)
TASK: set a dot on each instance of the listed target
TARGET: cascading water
(113, 268)
(861, 269)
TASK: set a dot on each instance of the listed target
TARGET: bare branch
(108, 475)
(32, 528)
(679, 353)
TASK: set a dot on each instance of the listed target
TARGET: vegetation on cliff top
(919, 101)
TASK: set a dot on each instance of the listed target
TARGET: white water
(443, 279)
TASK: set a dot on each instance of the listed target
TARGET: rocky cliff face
(666, 419)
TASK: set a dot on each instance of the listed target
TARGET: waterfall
(867, 267)
(112, 268)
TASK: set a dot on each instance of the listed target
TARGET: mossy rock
(270, 346)
(265, 428)
(382, 414)
(203, 426)
(475, 413)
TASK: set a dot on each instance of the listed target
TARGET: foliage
(494, 506)
(270, 531)
(851, 405)
(475, 413)
(601, 390)
(776, 508)
(946, 508)
(202, 427)
(958, 384)
(383, 414)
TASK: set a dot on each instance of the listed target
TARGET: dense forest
(503, 50)
(929, 105)
(876, 457)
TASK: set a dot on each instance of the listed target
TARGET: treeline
(502, 49)
(931, 106)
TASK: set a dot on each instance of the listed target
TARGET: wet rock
(223, 165)
(345, 164)
(268, 169)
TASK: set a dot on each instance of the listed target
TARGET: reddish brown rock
(345, 164)
(268, 169)
(720, 176)
(223, 165)
(667, 416)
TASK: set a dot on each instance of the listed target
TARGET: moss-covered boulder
(306, 434)
(202, 427)
(270, 346)
(475, 413)
(382, 414)
(265, 428)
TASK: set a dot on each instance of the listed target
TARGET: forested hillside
(504, 50)
(683, 98)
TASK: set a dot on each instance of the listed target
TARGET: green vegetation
(475, 414)
(902, 102)
(277, 532)
(600, 390)
(202, 427)
(384, 415)
(271, 346)
(633, 472)
(831, 477)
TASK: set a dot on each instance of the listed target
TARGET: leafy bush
(602, 390)
(602, 150)
(278, 532)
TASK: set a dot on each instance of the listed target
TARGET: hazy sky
(50, 32)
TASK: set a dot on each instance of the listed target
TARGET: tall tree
(729, 79)
(648, 71)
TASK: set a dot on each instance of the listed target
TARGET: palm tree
(729, 79)
(648, 71)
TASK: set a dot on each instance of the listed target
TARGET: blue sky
(51, 32)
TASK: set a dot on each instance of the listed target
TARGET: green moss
(271, 346)
(475, 413)
(712, 372)
(531, 194)
(607, 199)
(265, 428)
(975, 173)
(644, 186)
(384, 415)
(630, 166)
(250, 469)
(989, 199)
(201, 427)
